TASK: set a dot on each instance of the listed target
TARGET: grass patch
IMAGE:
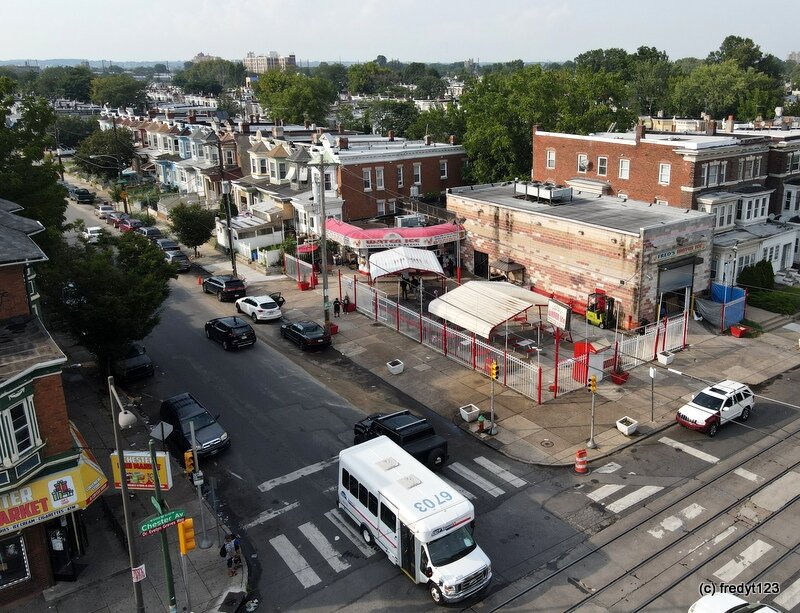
(784, 300)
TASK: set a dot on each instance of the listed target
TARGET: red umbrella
(306, 248)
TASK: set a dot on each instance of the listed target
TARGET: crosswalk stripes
(465, 493)
(346, 527)
(634, 497)
(296, 562)
(735, 567)
(476, 479)
(321, 544)
(674, 522)
(500, 472)
(604, 491)
(700, 455)
(789, 597)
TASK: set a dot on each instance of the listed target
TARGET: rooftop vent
(548, 192)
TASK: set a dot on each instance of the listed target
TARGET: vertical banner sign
(139, 470)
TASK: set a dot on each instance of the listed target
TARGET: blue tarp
(734, 299)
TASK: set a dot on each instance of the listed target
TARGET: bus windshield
(451, 547)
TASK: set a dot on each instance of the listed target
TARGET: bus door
(408, 551)
(387, 525)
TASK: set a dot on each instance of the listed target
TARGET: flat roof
(608, 212)
(681, 140)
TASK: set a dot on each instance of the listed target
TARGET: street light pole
(321, 161)
(133, 556)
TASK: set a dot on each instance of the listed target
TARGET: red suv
(129, 225)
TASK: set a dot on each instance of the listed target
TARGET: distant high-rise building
(260, 64)
(202, 57)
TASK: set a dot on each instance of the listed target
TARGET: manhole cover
(546, 443)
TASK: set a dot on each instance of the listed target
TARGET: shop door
(408, 554)
(481, 264)
(59, 545)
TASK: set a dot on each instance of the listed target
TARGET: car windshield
(201, 420)
(451, 547)
(707, 401)
(240, 330)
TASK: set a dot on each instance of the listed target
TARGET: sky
(360, 30)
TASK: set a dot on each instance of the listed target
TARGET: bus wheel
(366, 534)
(436, 593)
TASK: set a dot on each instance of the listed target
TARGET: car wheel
(712, 430)
(300, 344)
(436, 459)
(435, 592)
(205, 288)
(366, 534)
(208, 334)
(226, 345)
(255, 318)
(745, 414)
(358, 439)
(238, 308)
(219, 296)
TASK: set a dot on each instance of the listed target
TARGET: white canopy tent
(399, 259)
(481, 306)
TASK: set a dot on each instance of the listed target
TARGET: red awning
(379, 238)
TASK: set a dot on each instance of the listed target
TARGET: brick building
(649, 259)
(45, 476)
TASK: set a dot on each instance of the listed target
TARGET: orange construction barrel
(581, 465)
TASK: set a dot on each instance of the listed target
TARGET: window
(353, 486)
(281, 170)
(399, 176)
(381, 207)
(624, 169)
(21, 428)
(392, 205)
(787, 203)
(373, 505)
(388, 518)
(551, 159)
(345, 478)
(253, 167)
(442, 169)
(379, 178)
(273, 170)
(664, 171)
(417, 173)
(583, 162)
(262, 166)
(793, 161)
(328, 181)
(763, 207)
(730, 215)
(13, 561)
(602, 166)
(229, 157)
(367, 176)
(363, 495)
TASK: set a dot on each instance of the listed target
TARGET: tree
(430, 88)
(26, 177)
(370, 78)
(613, 60)
(210, 77)
(228, 104)
(120, 90)
(294, 97)
(335, 74)
(649, 80)
(160, 68)
(388, 115)
(105, 153)
(70, 82)
(742, 51)
(192, 224)
(118, 288)
(439, 123)
(71, 129)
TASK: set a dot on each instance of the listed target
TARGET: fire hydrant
(481, 422)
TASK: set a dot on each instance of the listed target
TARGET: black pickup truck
(414, 434)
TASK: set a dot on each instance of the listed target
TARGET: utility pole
(322, 161)
(58, 153)
(226, 198)
(119, 164)
(593, 389)
(159, 503)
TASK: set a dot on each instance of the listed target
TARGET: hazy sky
(360, 30)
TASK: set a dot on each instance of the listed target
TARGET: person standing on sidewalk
(337, 307)
(233, 557)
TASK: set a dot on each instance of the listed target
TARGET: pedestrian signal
(188, 461)
(186, 540)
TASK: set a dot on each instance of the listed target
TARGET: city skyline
(411, 30)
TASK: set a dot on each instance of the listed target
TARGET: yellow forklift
(600, 309)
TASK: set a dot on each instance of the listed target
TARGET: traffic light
(188, 461)
(493, 369)
(593, 384)
(186, 535)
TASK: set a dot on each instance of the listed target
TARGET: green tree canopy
(104, 154)
(294, 97)
(71, 82)
(71, 129)
(335, 74)
(385, 115)
(430, 88)
(119, 90)
(210, 77)
(439, 123)
(192, 224)
(370, 78)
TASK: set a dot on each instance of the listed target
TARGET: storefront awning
(481, 306)
(386, 238)
(400, 259)
(54, 494)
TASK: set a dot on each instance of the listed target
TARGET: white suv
(715, 405)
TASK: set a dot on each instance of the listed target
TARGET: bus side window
(345, 478)
(363, 494)
(353, 486)
(373, 505)
(388, 518)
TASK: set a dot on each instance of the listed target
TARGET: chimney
(342, 142)
(306, 124)
(314, 138)
(730, 124)
(277, 131)
(391, 135)
(427, 139)
(170, 114)
(244, 127)
(640, 131)
(191, 118)
(711, 127)
(151, 113)
(452, 139)
(319, 131)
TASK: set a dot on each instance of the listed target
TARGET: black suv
(226, 287)
(414, 434)
(84, 196)
(183, 409)
(133, 363)
(230, 332)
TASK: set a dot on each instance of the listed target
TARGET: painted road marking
(476, 479)
(294, 476)
(636, 496)
(459, 489)
(501, 472)
(789, 598)
(673, 522)
(296, 563)
(732, 569)
(321, 544)
(607, 469)
(746, 474)
(270, 514)
(716, 540)
(702, 455)
(340, 521)
(603, 492)
(778, 494)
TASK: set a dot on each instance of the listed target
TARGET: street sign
(161, 431)
(138, 573)
(157, 523)
(197, 478)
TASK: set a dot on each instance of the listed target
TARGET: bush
(756, 277)
(785, 301)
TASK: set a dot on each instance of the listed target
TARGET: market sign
(51, 496)
(676, 252)
(392, 239)
(157, 523)
(559, 314)
(139, 470)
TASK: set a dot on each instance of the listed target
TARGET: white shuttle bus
(419, 520)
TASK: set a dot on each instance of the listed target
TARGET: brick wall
(39, 564)
(13, 293)
(51, 414)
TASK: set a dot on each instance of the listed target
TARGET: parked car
(83, 196)
(167, 244)
(716, 405)
(259, 308)
(306, 334)
(130, 224)
(183, 409)
(414, 434)
(103, 210)
(116, 218)
(92, 234)
(150, 232)
(225, 287)
(728, 603)
(230, 332)
(134, 364)
(65, 151)
(179, 259)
